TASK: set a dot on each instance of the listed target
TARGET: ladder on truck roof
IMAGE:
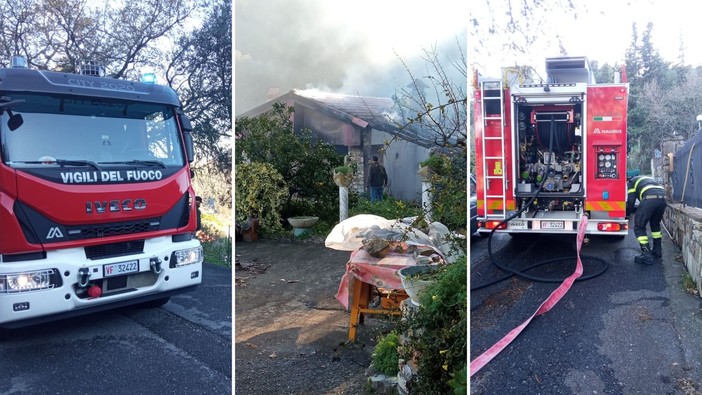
(497, 156)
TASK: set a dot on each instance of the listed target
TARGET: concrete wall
(683, 223)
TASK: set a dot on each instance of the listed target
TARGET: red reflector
(610, 227)
(493, 224)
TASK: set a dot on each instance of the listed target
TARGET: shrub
(437, 332)
(385, 355)
(260, 192)
(305, 163)
(449, 187)
(216, 240)
(388, 208)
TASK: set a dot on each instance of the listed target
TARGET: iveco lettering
(98, 207)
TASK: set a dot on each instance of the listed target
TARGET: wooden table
(364, 273)
(361, 295)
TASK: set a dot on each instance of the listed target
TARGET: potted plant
(430, 166)
(343, 176)
(416, 278)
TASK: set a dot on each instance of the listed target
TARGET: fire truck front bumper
(65, 284)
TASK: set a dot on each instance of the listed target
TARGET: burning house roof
(379, 113)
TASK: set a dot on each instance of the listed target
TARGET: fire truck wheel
(155, 303)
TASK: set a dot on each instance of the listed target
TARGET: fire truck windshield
(96, 131)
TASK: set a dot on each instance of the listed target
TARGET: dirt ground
(291, 332)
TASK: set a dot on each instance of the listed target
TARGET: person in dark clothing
(652, 205)
(377, 180)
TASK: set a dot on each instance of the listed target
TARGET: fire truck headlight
(29, 281)
(187, 257)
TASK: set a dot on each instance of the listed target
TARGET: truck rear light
(186, 257)
(30, 281)
(494, 224)
(612, 227)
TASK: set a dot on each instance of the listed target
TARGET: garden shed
(360, 126)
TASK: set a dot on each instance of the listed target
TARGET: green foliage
(343, 169)
(202, 77)
(689, 284)
(388, 208)
(304, 162)
(385, 356)
(437, 332)
(260, 192)
(218, 251)
(459, 381)
(449, 187)
(216, 240)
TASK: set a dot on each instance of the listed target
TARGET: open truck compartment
(548, 152)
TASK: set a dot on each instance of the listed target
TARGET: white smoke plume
(349, 47)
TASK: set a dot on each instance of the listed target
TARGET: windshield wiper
(137, 162)
(61, 162)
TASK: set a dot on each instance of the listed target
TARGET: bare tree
(58, 34)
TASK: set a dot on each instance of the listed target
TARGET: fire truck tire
(155, 303)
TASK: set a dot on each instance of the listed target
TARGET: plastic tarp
(687, 173)
(348, 235)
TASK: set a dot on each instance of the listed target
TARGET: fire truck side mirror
(189, 150)
(187, 136)
(185, 123)
(15, 121)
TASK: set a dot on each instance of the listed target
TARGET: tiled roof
(377, 112)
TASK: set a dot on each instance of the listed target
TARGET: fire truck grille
(83, 232)
(114, 249)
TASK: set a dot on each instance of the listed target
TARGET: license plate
(118, 269)
(517, 224)
(551, 224)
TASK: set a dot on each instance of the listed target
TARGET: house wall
(401, 161)
(401, 158)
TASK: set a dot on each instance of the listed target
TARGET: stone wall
(683, 223)
(357, 184)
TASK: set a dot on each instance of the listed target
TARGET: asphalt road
(631, 330)
(183, 347)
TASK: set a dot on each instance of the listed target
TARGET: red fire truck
(551, 150)
(97, 209)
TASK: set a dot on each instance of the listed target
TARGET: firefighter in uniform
(652, 205)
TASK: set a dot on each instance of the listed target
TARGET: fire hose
(551, 301)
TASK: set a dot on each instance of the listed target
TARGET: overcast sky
(599, 29)
(340, 46)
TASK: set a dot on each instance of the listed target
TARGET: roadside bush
(216, 241)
